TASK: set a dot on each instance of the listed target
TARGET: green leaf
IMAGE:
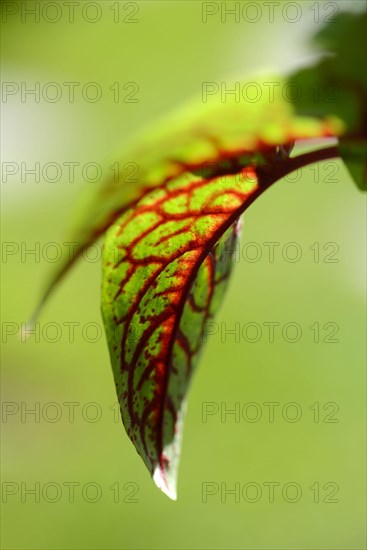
(165, 267)
(337, 85)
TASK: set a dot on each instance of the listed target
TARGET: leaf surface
(166, 264)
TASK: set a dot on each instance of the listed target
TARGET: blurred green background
(169, 52)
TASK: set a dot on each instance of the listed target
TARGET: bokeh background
(169, 52)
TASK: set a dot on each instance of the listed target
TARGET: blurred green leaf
(337, 85)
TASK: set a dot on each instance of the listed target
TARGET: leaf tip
(167, 487)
